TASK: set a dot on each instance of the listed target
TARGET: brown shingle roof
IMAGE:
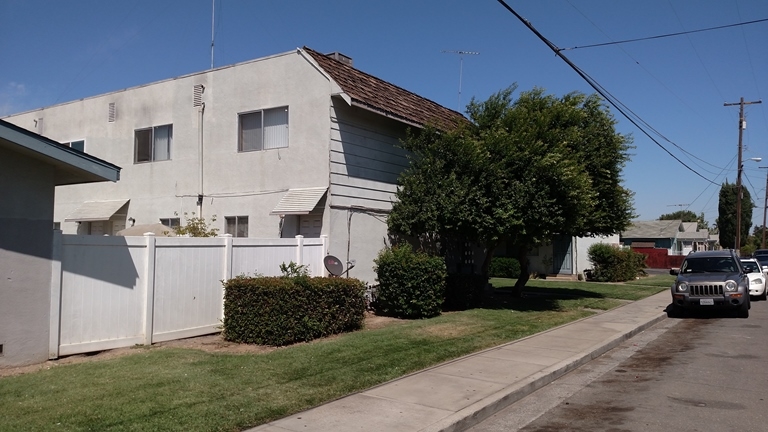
(386, 98)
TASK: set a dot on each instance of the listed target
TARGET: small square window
(153, 144)
(171, 222)
(237, 226)
(263, 130)
(77, 145)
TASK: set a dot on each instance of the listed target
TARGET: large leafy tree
(726, 214)
(687, 216)
(519, 172)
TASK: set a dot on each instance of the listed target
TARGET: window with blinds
(153, 144)
(263, 130)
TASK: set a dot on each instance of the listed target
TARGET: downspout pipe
(201, 159)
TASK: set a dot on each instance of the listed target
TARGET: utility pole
(765, 207)
(742, 126)
(461, 67)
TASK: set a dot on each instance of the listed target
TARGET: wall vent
(112, 112)
(39, 126)
(197, 96)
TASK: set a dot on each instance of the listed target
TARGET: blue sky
(57, 51)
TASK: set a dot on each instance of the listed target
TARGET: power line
(662, 36)
(598, 88)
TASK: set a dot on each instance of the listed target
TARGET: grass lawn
(169, 389)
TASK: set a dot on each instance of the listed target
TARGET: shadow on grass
(534, 299)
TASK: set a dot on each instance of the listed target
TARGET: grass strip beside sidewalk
(189, 390)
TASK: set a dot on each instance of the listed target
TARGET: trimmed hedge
(411, 284)
(504, 268)
(614, 264)
(281, 310)
(464, 291)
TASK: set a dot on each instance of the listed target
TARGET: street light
(738, 198)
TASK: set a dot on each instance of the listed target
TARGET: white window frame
(172, 223)
(239, 222)
(270, 129)
(154, 153)
(69, 144)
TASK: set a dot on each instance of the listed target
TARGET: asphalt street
(701, 373)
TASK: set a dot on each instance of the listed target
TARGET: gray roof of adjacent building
(655, 229)
(71, 166)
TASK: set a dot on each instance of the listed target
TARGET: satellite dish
(333, 265)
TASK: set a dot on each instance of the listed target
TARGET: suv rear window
(709, 264)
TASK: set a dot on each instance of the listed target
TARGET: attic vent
(341, 57)
(197, 97)
(112, 112)
(39, 126)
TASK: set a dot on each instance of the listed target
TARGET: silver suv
(711, 279)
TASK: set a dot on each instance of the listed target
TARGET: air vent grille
(112, 112)
(197, 97)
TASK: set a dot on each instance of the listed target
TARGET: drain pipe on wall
(200, 194)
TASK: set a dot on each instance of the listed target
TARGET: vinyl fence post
(54, 337)
(323, 272)
(149, 283)
(228, 246)
(300, 249)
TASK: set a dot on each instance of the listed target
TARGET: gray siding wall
(364, 165)
(26, 235)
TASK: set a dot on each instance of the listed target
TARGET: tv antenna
(461, 66)
(213, 27)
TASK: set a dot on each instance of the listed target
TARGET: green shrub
(464, 291)
(614, 264)
(505, 268)
(284, 310)
(411, 284)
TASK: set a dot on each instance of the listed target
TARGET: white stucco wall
(234, 183)
(26, 235)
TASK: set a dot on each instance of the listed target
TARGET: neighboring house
(31, 166)
(566, 256)
(658, 234)
(692, 239)
(678, 237)
(298, 143)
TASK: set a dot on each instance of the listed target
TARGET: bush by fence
(614, 264)
(411, 284)
(285, 310)
(505, 268)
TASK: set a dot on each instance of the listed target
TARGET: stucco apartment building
(298, 143)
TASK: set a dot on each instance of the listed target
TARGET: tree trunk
(525, 274)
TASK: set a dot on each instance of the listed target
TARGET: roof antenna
(461, 67)
(213, 14)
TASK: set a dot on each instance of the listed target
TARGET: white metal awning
(95, 211)
(299, 201)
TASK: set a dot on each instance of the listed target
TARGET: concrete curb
(486, 407)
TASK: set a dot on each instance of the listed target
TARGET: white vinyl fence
(112, 292)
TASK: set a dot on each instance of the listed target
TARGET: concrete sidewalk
(460, 393)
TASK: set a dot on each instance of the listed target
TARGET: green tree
(687, 216)
(197, 226)
(520, 172)
(726, 214)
